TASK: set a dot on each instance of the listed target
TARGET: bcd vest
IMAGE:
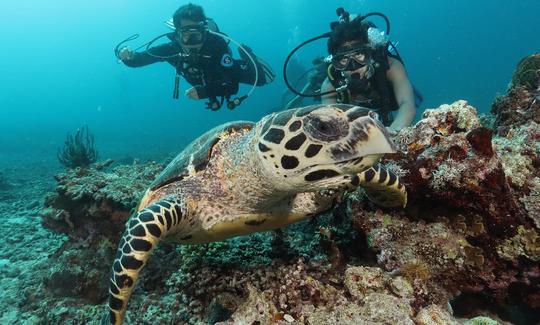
(376, 93)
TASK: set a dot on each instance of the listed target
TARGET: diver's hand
(192, 93)
(125, 54)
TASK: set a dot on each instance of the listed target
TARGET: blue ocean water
(58, 70)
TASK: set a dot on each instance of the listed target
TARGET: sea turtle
(242, 177)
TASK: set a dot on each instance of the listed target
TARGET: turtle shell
(197, 153)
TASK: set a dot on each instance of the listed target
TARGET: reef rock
(377, 298)
(467, 245)
(472, 222)
(93, 202)
(90, 206)
(521, 104)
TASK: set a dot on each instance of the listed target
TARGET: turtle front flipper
(383, 187)
(142, 234)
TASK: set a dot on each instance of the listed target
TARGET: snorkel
(376, 38)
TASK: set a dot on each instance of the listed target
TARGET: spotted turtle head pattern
(314, 145)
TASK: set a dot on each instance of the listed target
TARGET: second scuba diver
(363, 72)
(364, 69)
(202, 56)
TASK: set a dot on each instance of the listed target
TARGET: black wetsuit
(212, 71)
(375, 93)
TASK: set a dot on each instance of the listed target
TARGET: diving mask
(192, 35)
(350, 59)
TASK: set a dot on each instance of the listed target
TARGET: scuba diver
(200, 54)
(365, 69)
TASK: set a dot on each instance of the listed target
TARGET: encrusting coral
(90, 201)
(526, 73)
(521, 104)
(525, 243)
(472, 220)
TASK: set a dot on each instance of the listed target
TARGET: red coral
(453, 173)
(480, 140)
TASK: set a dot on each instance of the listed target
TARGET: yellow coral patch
(525, 243)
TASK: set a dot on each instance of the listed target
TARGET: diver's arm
(403, 91)
(330, 98)
(154, 54)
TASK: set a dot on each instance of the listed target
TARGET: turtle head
(320, 146)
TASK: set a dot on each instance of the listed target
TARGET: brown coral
(525, 243)
(473, 201)
(480, 141)
(415, 270)
(92, 203)
(434, 315)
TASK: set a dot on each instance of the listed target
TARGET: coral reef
(454, 238)
(78, 150)
(521, 104)
(450, 163)
(429, 256)
(435, 315)
(472, 220)
(310, 293)
(527, 72)
(532, 201)
(91, 201)
(90, 206)
(246, 279)
(466, 250)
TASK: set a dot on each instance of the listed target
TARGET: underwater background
(58, 72)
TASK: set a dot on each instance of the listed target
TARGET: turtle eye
(325, 129)
(321, 126)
